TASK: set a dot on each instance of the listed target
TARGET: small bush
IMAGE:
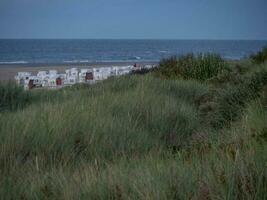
(190, 66)
(230, 102)
(226, 78)
(12, 96)
(260, 57)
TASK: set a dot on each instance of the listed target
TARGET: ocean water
(91, 51)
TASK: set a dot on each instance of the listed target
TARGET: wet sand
(8, 72)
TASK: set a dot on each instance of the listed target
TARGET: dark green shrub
(264, 96)
(12, 96)
(199, 67)
(260, 57)
(226, 78)
(168, 68)
(231, 101)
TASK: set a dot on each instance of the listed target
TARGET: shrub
(190, 66)
(12, 96)
(260, 57)
(231, 100)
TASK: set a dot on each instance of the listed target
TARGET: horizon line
(133, 39)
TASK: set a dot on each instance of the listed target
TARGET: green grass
(138, 137)
(12, 96)
(200, 67)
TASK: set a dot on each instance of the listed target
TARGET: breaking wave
(77, 61)
(13, 62)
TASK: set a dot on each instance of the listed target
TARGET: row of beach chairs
(53, 79)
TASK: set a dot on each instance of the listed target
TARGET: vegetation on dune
(137, 111)
(230, 101)
(12, 97)
(152, 136)
(190, 66)
(260, 57)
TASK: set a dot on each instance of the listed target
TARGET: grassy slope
(138, 137)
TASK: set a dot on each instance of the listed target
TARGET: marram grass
(135, 137)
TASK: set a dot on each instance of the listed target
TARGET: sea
(86, 51)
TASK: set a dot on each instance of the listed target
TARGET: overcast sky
(139, 19)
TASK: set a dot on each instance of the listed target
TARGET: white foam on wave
(163, 51)
(76, 61)
(13, 62)
(134, 58)
(128, 60)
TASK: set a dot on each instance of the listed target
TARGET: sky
(134, 19)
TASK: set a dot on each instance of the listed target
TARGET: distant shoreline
(8, 71)
(108, 63)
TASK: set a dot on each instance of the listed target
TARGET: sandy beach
(8, 72)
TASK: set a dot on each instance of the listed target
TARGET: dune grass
(137, 137)
(12, 96)
(190, 66)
